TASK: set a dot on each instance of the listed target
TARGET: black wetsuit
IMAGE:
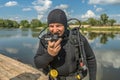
(65, 62)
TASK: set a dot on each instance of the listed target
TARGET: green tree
(98, 23)
(35, 23)
(92, 21)
(8, 23)
(103, 38)
(84, 23)
(111, 22)
(15, 24)
(1, 23)
(24, 23)
(104, 18)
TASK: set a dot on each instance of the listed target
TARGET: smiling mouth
(56, 33)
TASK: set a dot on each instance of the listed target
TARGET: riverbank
(103, 28)
(87, 28)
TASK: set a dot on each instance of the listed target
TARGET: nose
(54, 30)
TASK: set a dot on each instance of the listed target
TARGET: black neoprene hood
(57, 16)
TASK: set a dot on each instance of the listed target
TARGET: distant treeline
(6, 23)
(102, 21)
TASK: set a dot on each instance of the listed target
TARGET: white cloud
(109, 58)
(116, 17)
(12, 50)
(104, 1)
(40, 16)
(99, 9)
(88, 14)
(27, 45)
(41, 6)
(11, 3)
(14, 18)
(26, 9)
(62, 6)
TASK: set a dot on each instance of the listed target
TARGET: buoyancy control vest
(77, 41)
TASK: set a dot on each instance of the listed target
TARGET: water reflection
(22, 44)
(103, 37)
(107, 49)
(108, 62)
(19, 44)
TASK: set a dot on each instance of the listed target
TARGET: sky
(82, 9)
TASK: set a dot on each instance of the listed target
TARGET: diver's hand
(54, 47)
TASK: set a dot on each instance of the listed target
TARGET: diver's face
(57, 28)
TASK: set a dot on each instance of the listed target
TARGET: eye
(60, 25)
(57, 25)
(51, 26)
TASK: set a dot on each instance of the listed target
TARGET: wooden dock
(11, 69)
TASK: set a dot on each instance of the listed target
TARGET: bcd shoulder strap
(76, 40)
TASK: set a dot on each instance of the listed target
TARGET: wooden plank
(11, 69)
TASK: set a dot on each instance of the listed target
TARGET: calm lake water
(21, 44)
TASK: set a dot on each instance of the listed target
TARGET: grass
(103, 28)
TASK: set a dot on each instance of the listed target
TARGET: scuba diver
(64, 54)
